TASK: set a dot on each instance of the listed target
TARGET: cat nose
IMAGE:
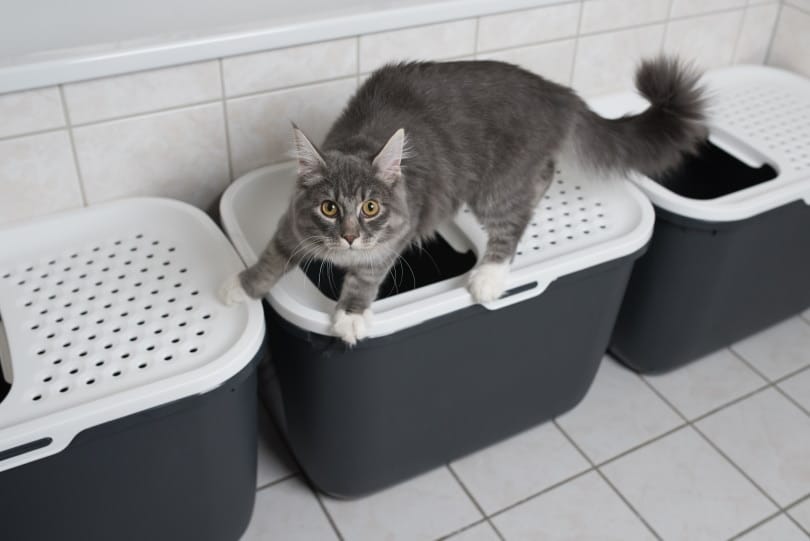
(349, 238)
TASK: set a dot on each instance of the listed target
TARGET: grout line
(666, 25)
(798, 7)
(277, 481)
(738, 38)
(357, 56)
(539, 493)
(601, 474)
(796, 522)
(225, 121)
(69, 126)
(5, 138)
(147, 113)
(319, 497)
(292, 87)
(577, 36)
(464, 529)
(773, 33)
(473, 500)
(475, 42)
(748, 530)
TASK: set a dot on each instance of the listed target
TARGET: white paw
(232, 291)
(351, 327)
(488, 281)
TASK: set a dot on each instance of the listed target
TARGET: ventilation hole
(175, 341)
(182, 324)
(195, 293)
(172, 299)
(150, 348)
(57, 361)
(116, 330)
(178, 284)
(64, 389)
(108, 346)
(117, 243)
(158, 331)
(116, 373)
(207, 316)
(41, 352)
(164, 316)
(83, 354)
(154, 292)
(99, 363)
(141, 322)
(125, 355)
(166, 263)
(91, 337)
(60, 282)
(133, 338)
(142, 366)
(74, 371)
(37, 397)
(28, 304)
(90, 381)
(124, 314)
(114, 291)
(74, 329)
(200, 333)
(49, 336)
(183, 271)
(131, 299)
(46, 379)
(147, 307)
(167, 358)
(99, 321)
(155, 242)
(161, 277)
(43, 312)
(189, 308)
(193, 350)
(138, 284)
(66, 345)
(51, 297)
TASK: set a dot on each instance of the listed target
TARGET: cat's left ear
(310, 161)
(388, 163)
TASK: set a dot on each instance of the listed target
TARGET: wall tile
(607, 62)
(682, 8)
(29, 111)
(179, 154)
(551, 60)
(801, 4)
(437, 41)
(37, 176)
(259, 126)
(600, 15)
(755, 34)
(530, 26)
(142, 92)
(291, 66)
(791, 42)
(708, 40)
(777, 529)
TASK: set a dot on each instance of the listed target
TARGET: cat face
(350, 208)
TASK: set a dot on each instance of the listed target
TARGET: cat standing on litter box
(420, 139)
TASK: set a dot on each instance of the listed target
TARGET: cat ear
(388, 163)
(310, 161)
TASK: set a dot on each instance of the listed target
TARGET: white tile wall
(142, 92)
(292, 66)
(592, 44)
(260, 129)
(791, 41)
(180, 154)
(528, 26)
(30, 111)
(437, 41)
(37, 176)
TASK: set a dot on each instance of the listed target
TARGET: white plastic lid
(579, 223)
(757, 114)
(112, 310)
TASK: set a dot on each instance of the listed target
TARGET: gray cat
(420, 139)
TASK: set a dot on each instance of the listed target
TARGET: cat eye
(329, 208)
(370, 208)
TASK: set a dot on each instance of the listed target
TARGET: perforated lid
(757, 114)
(578, 224)
(112, 310)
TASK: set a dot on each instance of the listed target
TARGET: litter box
(440, 377)
(128, 392)
(730, 253)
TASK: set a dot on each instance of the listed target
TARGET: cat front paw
(232, 291)
(488, 281)
(351, 327)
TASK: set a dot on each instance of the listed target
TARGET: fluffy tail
(658, 138)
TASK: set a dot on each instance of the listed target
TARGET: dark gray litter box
(128, 392)
(440, 376)
(730, 253)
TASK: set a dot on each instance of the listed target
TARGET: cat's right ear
(310, 162)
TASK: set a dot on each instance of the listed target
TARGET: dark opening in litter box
(712, 173)
(433, 262)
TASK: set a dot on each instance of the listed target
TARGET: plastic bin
(730, 253)
(441, 377)
(128, 403)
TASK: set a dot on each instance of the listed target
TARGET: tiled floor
(717, 450)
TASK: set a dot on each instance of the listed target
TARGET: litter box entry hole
(5, 364)
(713, 172)
(434, 262)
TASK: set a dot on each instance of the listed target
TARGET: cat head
(351, 207)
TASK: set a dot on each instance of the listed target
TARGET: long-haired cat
(420, 139)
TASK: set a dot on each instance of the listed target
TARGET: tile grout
(572, 70)
(796, 522)
(277, 481)
(69, 127)
(225, 121)
(753, 527)
(329, 518)
(474, 501)
(449, 536)
(772, 37)
(604, 477)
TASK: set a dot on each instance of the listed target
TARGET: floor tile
(519, 467)
(288, 511)
(618, 413)
(428, 507)
(274, 459)
(780, 528)
(583, 509)
(707, 383)
(798, 387)
(769, 438)
(480, 532)
(801, 513)
(778, 350)
(686, 490)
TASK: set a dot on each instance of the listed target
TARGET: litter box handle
(524, 292)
